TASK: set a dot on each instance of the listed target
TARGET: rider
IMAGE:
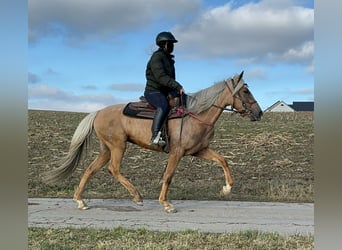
(160, 76)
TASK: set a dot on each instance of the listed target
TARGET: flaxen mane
(204, 99)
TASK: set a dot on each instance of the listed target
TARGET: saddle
(143, 110)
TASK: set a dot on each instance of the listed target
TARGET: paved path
(204, 216)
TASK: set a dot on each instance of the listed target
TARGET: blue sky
(85, 55)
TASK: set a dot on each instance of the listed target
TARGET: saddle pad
(144, 110)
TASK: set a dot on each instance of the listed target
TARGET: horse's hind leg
(210, 154)
(100, 161)
(116, 158)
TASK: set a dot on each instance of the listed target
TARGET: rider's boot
(158, 121)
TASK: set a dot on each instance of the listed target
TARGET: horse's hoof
(81, 205)
(226, 189)
(170, 210)
(139, 203)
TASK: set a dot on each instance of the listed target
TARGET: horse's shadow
(115, 208)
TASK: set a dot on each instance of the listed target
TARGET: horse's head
(243, 101)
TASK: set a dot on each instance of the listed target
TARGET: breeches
(157, 99)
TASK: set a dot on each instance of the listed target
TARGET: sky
(85, 55)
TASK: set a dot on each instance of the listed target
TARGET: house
(281, 106)
(303, 106)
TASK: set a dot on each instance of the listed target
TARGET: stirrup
(158, 140)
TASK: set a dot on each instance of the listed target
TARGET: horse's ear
(241, 75)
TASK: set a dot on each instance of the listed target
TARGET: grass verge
(120, 238)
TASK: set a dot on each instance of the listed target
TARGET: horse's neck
(211, 115)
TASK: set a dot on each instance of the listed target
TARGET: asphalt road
(204, 216)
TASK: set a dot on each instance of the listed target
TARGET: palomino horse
(188, 137)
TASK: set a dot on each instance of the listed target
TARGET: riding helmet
(165, 36)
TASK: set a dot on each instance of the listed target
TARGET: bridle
(235, 95)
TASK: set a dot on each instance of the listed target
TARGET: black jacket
(160, 73)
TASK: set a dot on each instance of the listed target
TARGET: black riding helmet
(165, 36)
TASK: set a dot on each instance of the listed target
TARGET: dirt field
(271, 160)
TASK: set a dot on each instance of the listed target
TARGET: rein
(233, 93)
(196, 117)
(226, 109)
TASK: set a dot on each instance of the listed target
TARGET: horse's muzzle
(256, 116)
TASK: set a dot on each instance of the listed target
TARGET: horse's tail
(79, 141)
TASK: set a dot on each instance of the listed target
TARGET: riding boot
(158, 121)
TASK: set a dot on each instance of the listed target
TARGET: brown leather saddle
(144, 110)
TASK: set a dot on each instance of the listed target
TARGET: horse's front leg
(210, 154)
(172, 163)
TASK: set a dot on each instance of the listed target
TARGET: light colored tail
(79, 141)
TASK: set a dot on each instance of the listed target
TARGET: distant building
(281, 106)
(303, 106)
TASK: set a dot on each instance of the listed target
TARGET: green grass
(120, 238)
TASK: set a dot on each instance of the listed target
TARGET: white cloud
(306, 91)
(256, 73)
(80, 19)
(310, 68)
(254, 30)
(304, 52)
(267, 29)
(55, 99)
(45, 91)
(65, 106)
(128, 87)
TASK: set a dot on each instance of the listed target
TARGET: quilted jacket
(160, 73)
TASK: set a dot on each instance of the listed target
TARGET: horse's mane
(204, 99)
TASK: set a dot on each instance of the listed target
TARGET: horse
(189, 136)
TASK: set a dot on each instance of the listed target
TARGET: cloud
(306, 91)
(63, 106)
(255, 30)
(127, 87)
(45, 91)
(310, 68)
(289, 95)
(52, 72)
(265, 30)
(55, 99)
(33, 78)
(302, 53)
(89, 87)
(79, 19)
(256, 73)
